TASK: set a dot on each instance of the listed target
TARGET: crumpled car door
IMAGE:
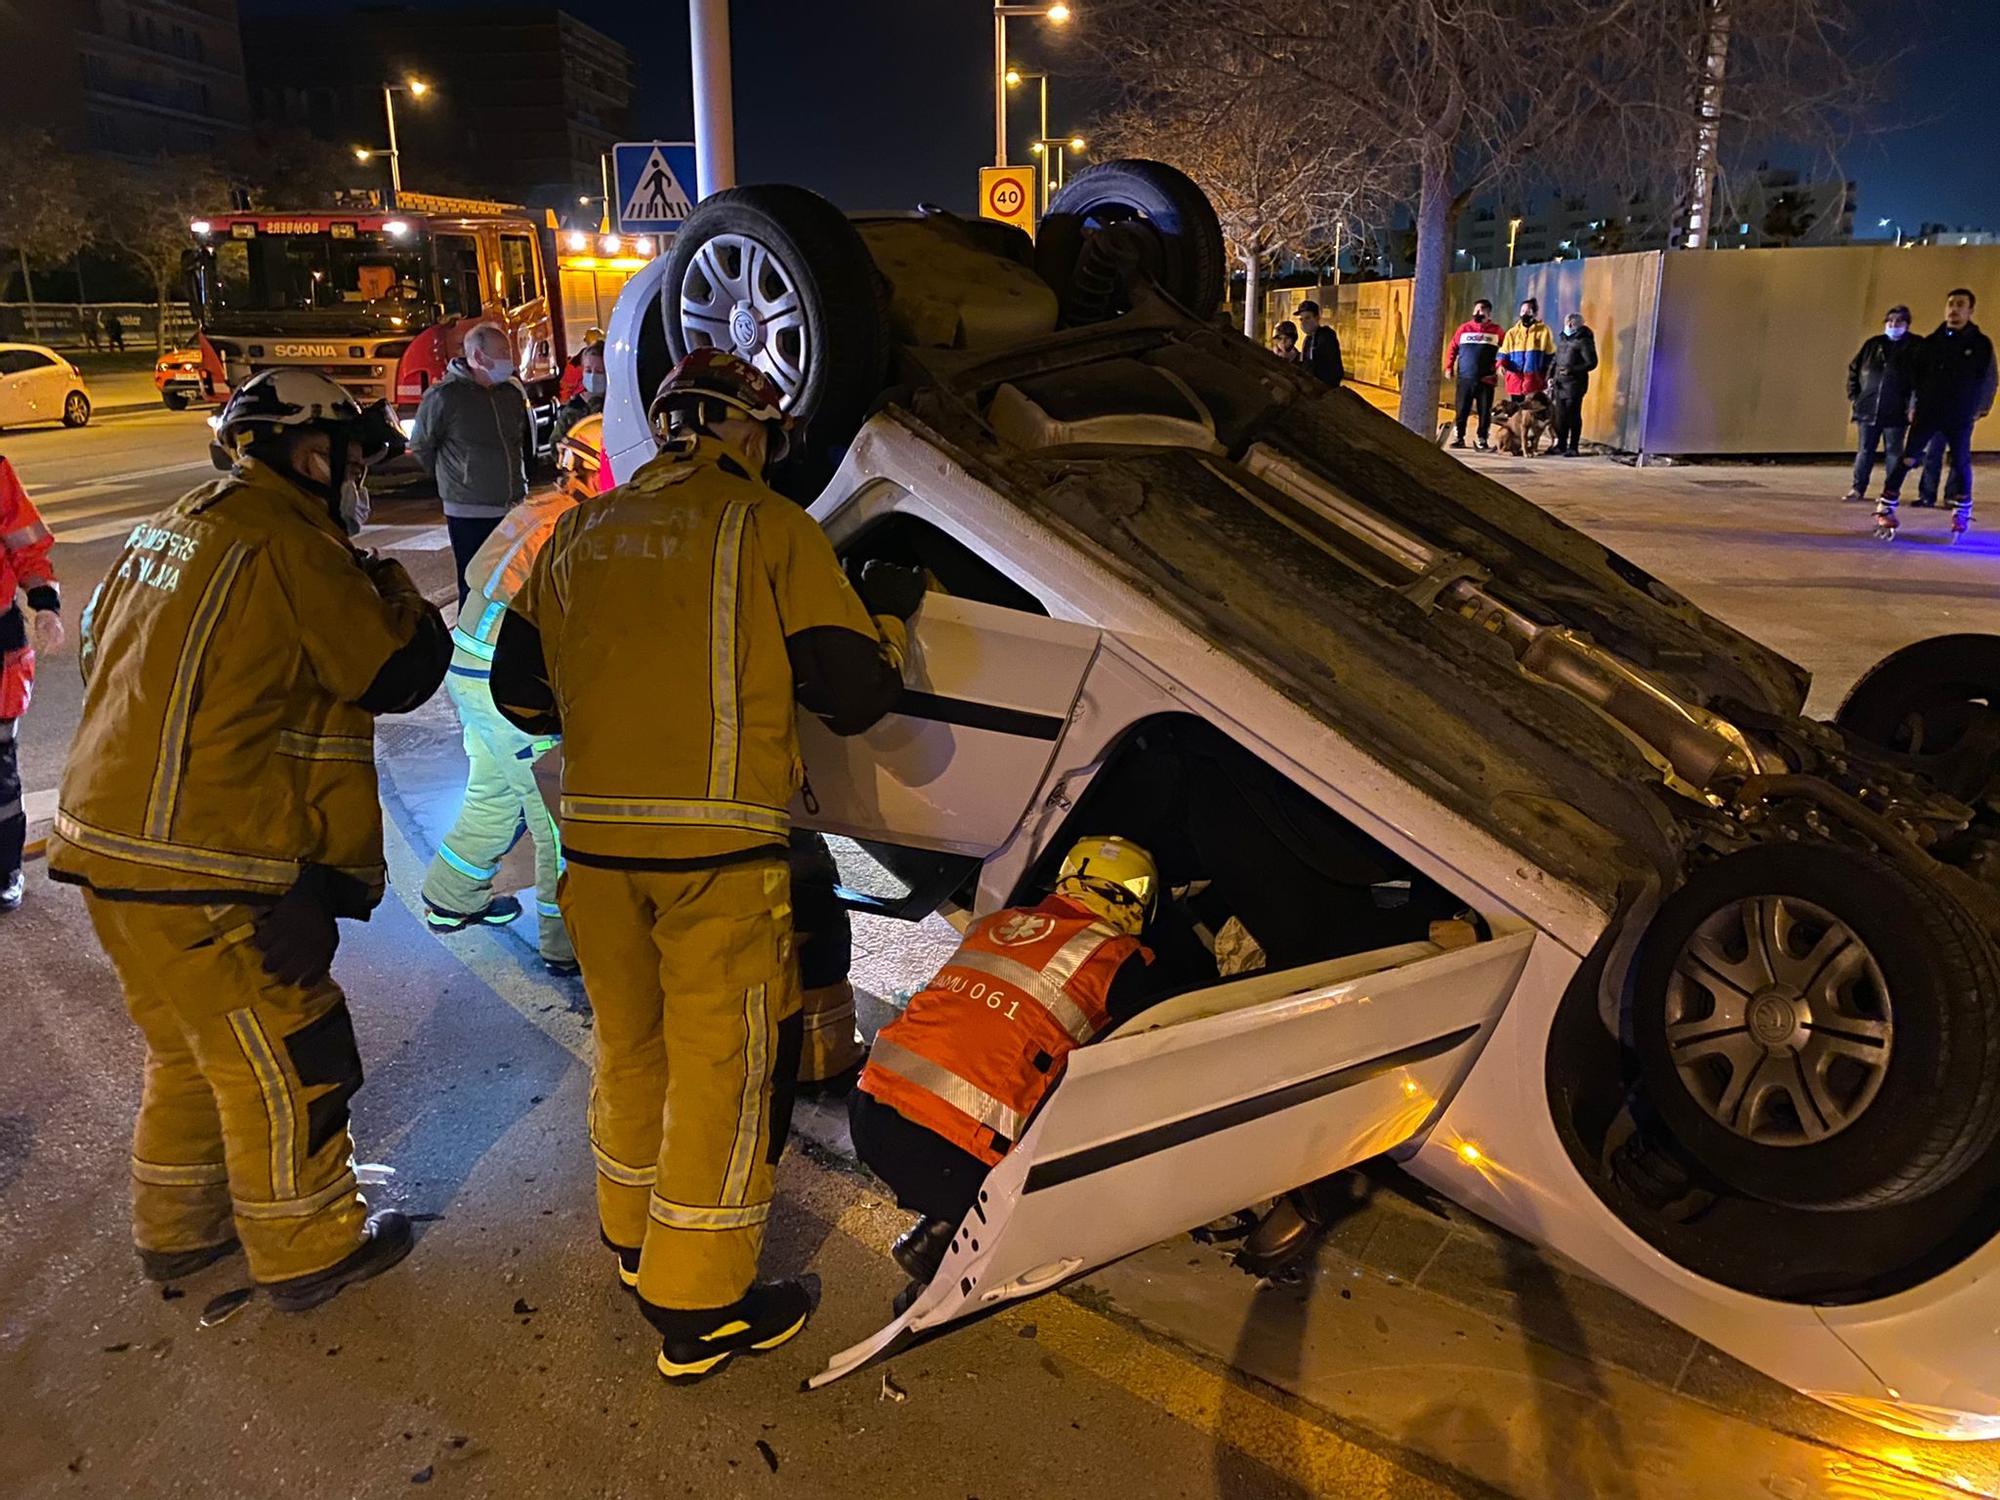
(1216, 1099)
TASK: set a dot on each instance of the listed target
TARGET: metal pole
(607, 215)
(1000, 88)
(714, 113)
(1042, 135)
(395, 159)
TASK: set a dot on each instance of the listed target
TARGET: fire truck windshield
(368, 278)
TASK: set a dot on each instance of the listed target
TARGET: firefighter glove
(890, 589)
(297, 936)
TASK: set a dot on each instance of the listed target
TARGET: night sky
(883, 103)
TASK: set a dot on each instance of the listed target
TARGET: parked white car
(1729, 1033)
(39, 385)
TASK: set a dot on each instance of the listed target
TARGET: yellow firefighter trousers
(244, 1110)
(694, 992)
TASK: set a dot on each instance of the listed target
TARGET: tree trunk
(1418, 410)
(1253, 293)
(28, 284)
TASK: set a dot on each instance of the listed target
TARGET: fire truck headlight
(611, 244)
(643, 245)
(578, 240)
(199, 226)
(396, 227)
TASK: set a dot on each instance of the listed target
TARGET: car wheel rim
(75, 406)
(1779, 1021)
(737, 294)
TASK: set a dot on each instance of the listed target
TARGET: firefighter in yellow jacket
(665, 632)
(219, 810)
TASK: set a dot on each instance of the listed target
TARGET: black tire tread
(1965, 664)
(1964, 1121)
(1203, 270)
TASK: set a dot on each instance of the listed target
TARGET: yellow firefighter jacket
(495, 575)
(226, 654)
(678, 616)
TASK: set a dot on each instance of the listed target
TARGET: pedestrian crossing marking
(658, 194)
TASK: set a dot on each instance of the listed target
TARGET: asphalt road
(1414, 1358)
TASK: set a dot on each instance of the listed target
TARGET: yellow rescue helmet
(1111, 878)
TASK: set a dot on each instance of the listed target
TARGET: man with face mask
(1881, 380)
(1569, 382)
(666, 632)
(472, 432)
(1527, 352)
(219, 810)
(1955, 383)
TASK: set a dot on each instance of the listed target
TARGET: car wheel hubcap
(76, 406)
(1779, 1021)
(738, 295)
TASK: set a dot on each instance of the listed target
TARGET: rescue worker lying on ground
(219, 809)
(951, 1083)
(500, 792)
(676, 621)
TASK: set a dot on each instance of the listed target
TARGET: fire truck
(380, 300)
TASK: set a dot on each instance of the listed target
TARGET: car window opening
(954, 568)
(1257, 875)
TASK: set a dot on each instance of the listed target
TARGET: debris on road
(171, 1293)
(769, 1454)
(222, 1308)
(423, 1475)
(891, 1391)
(522, 1309)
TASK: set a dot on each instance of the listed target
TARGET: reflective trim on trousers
(165, 1174)
(1064, 1011)
(302, 746)
(547, 909)
(935, 1078)
(465, 866)
(298, 1208)
(723, 737)
(277, 1092)
(179, 716)
(750, 1109)
(702, 1216)
(27, 536)
(680, 813)
(614, 1170)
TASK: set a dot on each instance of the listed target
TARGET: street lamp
(1015, 77)
(1055, 15)
(1044, 146)
(416, 88)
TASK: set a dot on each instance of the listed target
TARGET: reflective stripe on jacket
(495, 575)
(665, 614)
(221, 745)
(980, 1045)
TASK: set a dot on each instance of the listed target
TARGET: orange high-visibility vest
(981, 1044)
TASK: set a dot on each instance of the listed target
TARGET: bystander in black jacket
(1576, 357)
(1955, 377)
(1882, 377)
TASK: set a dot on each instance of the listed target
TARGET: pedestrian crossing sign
(655, 185)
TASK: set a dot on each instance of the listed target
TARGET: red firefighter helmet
(710, 377)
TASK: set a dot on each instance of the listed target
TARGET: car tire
(1922, 699)
(1895, 1025)
(829, 348)
(173, 400)
(1183, 254)
(76, 410)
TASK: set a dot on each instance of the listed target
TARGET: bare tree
(1283, 166)
(145, 211)
(42, 215)
(1470, 97)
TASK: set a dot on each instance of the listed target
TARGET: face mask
(354, 505)
(1573, 329)
(593, 382)
(499, 370)
(1895, 330)
(1527, 320)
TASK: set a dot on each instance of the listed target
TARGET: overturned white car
(1730, 1033)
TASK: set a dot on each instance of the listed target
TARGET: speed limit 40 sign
(1008, 194)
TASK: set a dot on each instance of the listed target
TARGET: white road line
(63, 517)
(406, 538)
(99, 532)
(40, 806)
(104, 480)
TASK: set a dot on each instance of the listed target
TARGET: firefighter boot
(696, 1342)
(172, 1265)
(389, 1239)
(920, 1249)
